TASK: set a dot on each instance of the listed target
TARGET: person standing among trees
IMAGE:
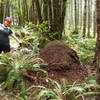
(5, 32)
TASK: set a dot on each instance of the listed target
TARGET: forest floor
(63, 63)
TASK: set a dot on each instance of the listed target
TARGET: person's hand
(20, 44)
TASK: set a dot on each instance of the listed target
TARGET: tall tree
(24, 10)
(20, 17)
(40, 20)
(50, 14)
(59, 9)
(45, 10)
(76, 17)
(84, 18)
(6, 8)
(81, 12)
(98, 45)
(94, 20)
(1, 11)
(89, 17)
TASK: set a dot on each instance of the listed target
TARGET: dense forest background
(78, 16)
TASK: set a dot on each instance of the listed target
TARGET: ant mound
(60, 57)
(63, 62)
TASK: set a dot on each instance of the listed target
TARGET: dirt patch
(63, 62)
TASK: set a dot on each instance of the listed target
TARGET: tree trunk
(6, 9)
(25, 11)
(58, 18)
(89, 18)
(38, 11)
(76, 18)
(50, 14)
(45, 10)
(81, 14)
(63, 13)
(20, 19)
(98, 45)
(95, 22)
(84, 18)
(1, 11)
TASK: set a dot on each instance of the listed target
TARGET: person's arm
(14, 36)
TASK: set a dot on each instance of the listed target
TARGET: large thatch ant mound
(63, 62)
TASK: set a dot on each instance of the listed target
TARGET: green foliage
(43, 31)
(26, 30)
(12, 70)
(15, 66)
(43, 34)
(19, 61)
(59, 90)
(46, 94)
(85, 47)
(30, 32)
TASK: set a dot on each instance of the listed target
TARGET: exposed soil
(63, 62)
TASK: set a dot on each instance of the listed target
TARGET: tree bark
(38, 11)
(1, 11)
(45, 10)
(58, 18)
(76, 18)
(98, 46)
(84, 18)
(89, 18)
(94, 22)
(6, 9)
(50, 14)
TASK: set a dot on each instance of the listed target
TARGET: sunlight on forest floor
(13, 44)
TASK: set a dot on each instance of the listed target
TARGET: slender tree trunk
(78, 15)
(76, 18)
(63, 14)
(25, 11)
(50, 14)
(6, 9)
(72, 14)
(69, 10)
(81, 12)
(38, 11)
(33, 18)
(20, 20)
(89, 18)
(45, 10)
(94, 22)
(30, 16)
(84, 18)
(1, 11)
